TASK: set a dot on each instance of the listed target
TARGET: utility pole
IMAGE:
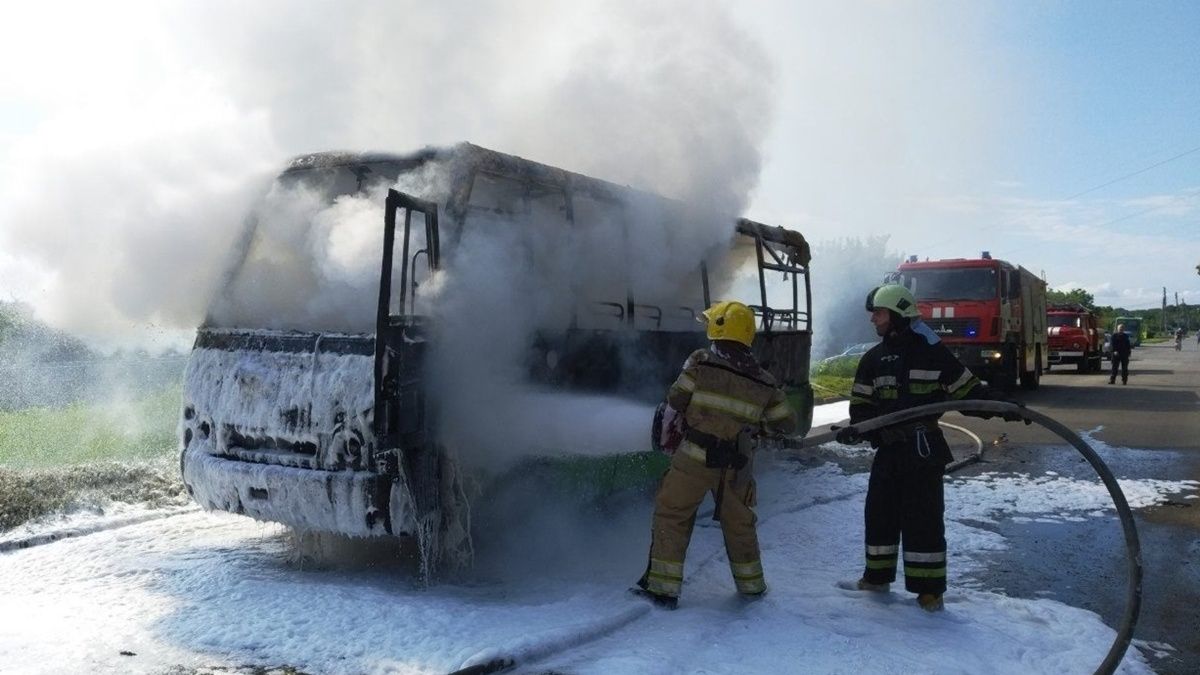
(1164, 311)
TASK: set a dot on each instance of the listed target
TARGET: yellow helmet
(730, 320)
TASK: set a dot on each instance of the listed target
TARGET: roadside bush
(33, 493)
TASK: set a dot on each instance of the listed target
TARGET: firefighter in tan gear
(723, 394)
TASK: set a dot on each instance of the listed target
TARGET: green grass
(831, 379)
(35, 438)
(53, 459)
(828, 388)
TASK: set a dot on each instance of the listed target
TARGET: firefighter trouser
(1122, 363)
(683, 489)
(905, 501)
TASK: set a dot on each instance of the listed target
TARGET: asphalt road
(1153, 426)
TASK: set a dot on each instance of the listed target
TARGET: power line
(1135, 173)
(1185, 153)
(1175, 201)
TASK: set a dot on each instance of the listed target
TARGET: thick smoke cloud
(135, 196)
(137, 203)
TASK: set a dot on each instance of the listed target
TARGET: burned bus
(310, 397)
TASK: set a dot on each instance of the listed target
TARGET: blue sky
(950, 127)
(1018, 127)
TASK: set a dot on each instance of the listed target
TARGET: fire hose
(1132, 547)
(497, 662)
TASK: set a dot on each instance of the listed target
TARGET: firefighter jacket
(723, 391)
(910, 368)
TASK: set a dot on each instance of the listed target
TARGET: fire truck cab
(1074, 336)
(990, 313)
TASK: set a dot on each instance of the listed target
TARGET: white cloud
(1118, 250)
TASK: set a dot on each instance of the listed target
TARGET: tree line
(1187, 316)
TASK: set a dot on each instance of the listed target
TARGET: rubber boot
(864, 585)
(751, 597)
(659, 600)
(930, 602)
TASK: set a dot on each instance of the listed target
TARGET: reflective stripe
(890, 549)
(748, 577)
(888, 564)
(780, 411)
(924, 387)
(885, 381)
(889, 394)
(966, 389)
(864, 389)
(916, 556)
(750, 586)
(656, 584)
(668, 568)
(924, 572)
(962, 380)
(685, 382)
(694, 451)
(727, 404)
(664, 577)
(924, 374)
(858, 400)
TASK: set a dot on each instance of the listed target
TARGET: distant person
(723, 393)
(1179, 338)
(1121, 348)
(905, 503)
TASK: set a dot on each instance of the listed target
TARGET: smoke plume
(133, 200)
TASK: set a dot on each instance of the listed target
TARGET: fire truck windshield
(1067, 320)
(976, 283)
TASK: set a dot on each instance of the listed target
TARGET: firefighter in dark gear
(723, 395)
(908, 368)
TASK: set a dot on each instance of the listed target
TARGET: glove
(1015, 417)
(848, 436)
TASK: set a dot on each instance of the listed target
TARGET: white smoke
(132, 191)
(845, 271)
(506, 280)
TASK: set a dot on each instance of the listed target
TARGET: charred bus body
(324, 420)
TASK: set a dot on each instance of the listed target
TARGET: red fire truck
(990, 313)
(1074, 336)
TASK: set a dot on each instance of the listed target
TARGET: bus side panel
(786, 356)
